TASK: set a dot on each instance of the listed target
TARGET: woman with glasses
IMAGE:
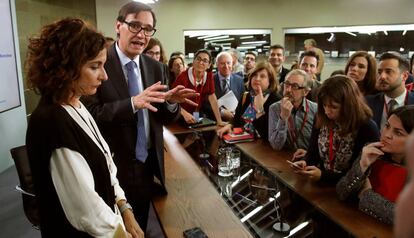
(362, 68)
(380, 173)
(77, 190)
(155, 50)
(343, 126)
(253, 110)
(199, 78)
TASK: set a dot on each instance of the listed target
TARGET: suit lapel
(147, 74)
(115, 73)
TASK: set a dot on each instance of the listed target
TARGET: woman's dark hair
(411, 64)
(210, 58)
(170, 66)
(344, 91)
(153, 42)
(368, 85)
(406, 116)
(55, 58)
(273, 82)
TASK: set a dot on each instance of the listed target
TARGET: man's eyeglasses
(293, 86)
(199, 59)
(136, 28)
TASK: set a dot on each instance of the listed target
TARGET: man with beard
(309, 62)
(249, 63)
(392, 73)
(291, 119)
(276, 59)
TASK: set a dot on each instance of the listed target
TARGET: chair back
(21, 161)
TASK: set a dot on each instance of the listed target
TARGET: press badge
(196, 116)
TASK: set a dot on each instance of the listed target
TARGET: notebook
(232, 138)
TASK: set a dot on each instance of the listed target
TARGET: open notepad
(228, 101)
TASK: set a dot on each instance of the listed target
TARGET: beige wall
(174, 16)
(33, 14)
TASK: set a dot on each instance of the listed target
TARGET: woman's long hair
(344, 91)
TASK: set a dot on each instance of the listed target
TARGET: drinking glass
(235, 163)
(224, 162)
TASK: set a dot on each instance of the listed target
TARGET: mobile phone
(294, 165)
(195, 232)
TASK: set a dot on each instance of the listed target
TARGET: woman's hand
(131, 225)
(221, 123)
(189, 119)
(259, 100)
(299, 153)
(298, 166)
(224, 130)
(370, 153)
(312, 172)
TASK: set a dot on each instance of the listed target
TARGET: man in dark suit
(132, 106)
(225, 81)
(276, 59)
(392, 74)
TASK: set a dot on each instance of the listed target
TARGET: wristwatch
(125, 207)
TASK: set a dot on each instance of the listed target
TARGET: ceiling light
(350, 33)
(386, 33)
(254, 42)
(404, 32)
(216, 38)
(146, 1)
(219, 40)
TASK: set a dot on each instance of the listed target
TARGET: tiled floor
(13, 222)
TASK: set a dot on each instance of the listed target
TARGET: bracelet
(260, 111)
(124, 207)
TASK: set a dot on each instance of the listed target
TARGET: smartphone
(195, 232)
(294, 165)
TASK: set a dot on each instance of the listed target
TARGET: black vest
(51, 127)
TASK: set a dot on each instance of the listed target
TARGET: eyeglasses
(136, 28)
(152, 53)
(293, 86)
(199, 59)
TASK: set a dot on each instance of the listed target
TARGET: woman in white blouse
(75, 178)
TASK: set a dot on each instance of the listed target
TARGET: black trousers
(138, 185)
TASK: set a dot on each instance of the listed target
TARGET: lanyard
(331, 149)
(386, 106)
(198, 98)
(292, 128)
(93, 130)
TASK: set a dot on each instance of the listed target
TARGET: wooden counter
(192, 200)
(321, 197)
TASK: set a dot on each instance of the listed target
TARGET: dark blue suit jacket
(236, 85)
(376, 103)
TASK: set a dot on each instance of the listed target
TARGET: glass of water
(235, 163)
(224, 161)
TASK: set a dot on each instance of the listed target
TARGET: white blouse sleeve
(83, 207)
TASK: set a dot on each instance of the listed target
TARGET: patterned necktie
(224, 86)
(392, 104)
(141, 152)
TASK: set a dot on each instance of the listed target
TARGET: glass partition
(264, 204)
